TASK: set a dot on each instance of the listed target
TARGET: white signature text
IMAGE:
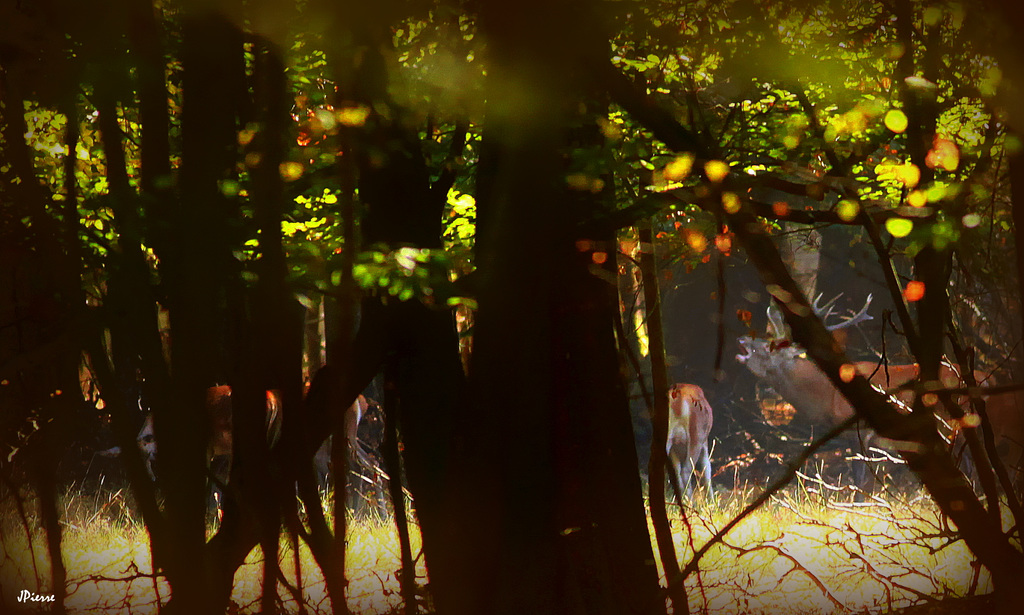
(27, 596)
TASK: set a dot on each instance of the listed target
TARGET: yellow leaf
(896, 120)
(291, 171)
(679, 168)
(899, 227)
(847, 210)
(907, 173)
(944, 155)
(352, 116)
(716, 170)
(696, 240)
(730, 202)
(989, 81)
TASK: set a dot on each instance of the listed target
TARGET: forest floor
(804, 552)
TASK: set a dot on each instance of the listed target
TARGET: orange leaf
(944, 154)
(914, 291)
(696, 240)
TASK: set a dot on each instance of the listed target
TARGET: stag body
(218, 405)
(689, 427)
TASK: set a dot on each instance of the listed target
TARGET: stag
(783, 366)
(364, 427)
(220, 449)
(689, 427)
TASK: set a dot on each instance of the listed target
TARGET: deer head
(783, 365)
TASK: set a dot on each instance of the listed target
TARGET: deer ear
(776, 322)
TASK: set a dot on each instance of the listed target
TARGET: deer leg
(219, 471)
(686, 478)
(705, 460)
(675, 482)
(863, 475)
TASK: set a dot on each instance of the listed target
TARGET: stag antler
(857, 318)
(777, 326)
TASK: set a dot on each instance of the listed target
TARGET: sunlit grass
(801, 553)
(372, 561)
(804, 553)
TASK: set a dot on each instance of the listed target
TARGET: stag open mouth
(746, 348)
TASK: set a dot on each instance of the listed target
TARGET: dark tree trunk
(1011, 60)
(194, 273)
(564, 512)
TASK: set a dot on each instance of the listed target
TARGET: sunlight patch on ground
(108, 566)
(109, 570)
(372, 561)
(802, 556)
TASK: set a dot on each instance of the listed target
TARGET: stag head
(763, 356)
(783, 365)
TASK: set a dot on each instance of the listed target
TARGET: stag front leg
(863, 472)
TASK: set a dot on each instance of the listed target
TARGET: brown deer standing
(689, 427)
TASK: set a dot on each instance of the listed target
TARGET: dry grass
(803, 553)
(807, 554)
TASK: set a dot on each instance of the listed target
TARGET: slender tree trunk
(659, 420)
